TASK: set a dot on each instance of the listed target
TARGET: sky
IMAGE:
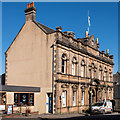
(71, 16)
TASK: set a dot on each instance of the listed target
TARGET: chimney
(59, 28)
(107, 51)
(30, 12)
(86, 34)
(97, 40)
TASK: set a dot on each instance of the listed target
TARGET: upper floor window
(83, 68)
(109, 76)
(74, 66)
(64, 64)
(92, 42)
(92, 71)
(100, 73)
(105, 74)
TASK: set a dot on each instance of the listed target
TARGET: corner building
(71, 73)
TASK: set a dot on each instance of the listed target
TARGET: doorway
(50, 103)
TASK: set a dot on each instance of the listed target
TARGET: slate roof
(44, 28)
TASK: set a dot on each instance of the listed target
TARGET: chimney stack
(30, 12)
(86, 35)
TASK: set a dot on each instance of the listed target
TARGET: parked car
(102, 107)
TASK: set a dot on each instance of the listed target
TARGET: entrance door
(50, 103)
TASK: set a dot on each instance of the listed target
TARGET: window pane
(74, 98)
(31, 99)
(64, 98)
(24, 98)
(16, 97)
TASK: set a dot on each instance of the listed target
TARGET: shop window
(24, 99)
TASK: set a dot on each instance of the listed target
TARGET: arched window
(83, 68)
(105, 74)
(109, 76)
(64, 63)
(74, 66)
(92, 71)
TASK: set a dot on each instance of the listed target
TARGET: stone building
(71, 73)
(116, 88)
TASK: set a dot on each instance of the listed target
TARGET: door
(50, 103)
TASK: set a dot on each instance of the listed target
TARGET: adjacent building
(71, 73)
(116, 93)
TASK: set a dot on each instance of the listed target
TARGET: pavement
(70, 116)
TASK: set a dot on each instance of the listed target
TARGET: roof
(11, 88)
(44, 28)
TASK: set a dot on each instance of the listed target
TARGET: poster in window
(9, 109)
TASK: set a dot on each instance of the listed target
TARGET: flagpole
(88, 23)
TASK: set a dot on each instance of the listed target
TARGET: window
(109, 95)
(92, 71)
(74, 66)
(92, 42)
(64, 95)
(100, 73)
(74, 98)
(24, 98)
(82, 68)
(105, 76)
(64, 63)
(109, 77)
(100, 95)
(82, 100)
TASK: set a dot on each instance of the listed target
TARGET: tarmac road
(92, 117)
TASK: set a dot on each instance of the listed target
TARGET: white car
(102, 107)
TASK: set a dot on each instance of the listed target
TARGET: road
(89, 117)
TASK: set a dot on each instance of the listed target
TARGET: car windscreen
(97, 104)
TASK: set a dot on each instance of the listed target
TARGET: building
(116, 87)
(71, 73)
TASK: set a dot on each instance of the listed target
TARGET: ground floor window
(64, 99)
(24, 99)
(74, 98)
(83, 98)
